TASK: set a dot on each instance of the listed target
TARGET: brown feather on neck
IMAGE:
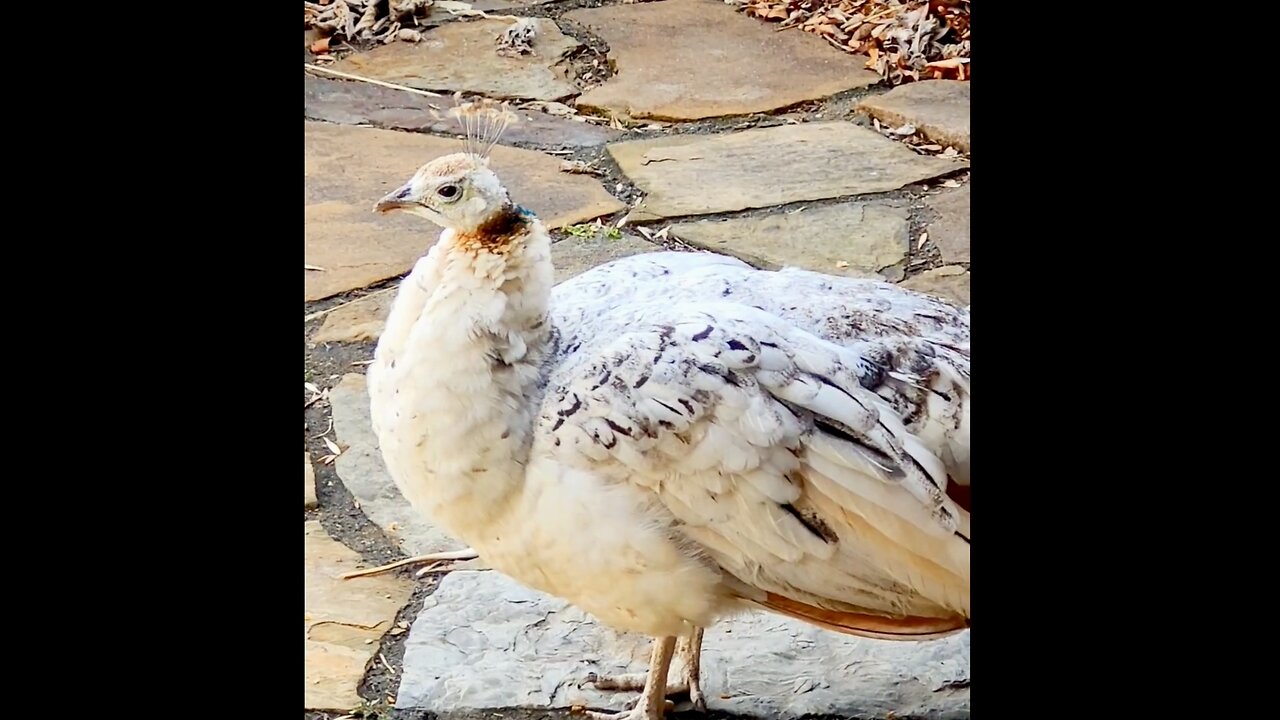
(497, 234)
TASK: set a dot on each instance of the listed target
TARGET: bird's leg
(653, 698)
(450, 557)
(686, 671)
(690, 653)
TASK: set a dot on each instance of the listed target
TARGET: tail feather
(865, 625)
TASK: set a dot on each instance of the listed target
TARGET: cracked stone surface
(462, 57)
(938, 108)
(851, 239)
(951, 282)
(354, 103)
(710, 61)
(949, 229)
(343, 620)
(348, 168)
(484, 641)
(699, 174)
(361, 469)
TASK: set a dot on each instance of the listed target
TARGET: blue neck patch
(524, 211)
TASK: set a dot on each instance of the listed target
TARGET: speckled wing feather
(802, 430)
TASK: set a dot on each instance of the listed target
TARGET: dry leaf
(900, 37)
(555, 108)
(578, 167)
(923, 236)
(320, 46)
(842, 264)
(316, 268)
(333, 447)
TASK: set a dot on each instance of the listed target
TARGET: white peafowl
(672, 438)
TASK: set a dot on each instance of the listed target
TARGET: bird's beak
(400, 198)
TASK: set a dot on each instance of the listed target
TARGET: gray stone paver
(309, 482)
(462, 57)
(949, 224)
(710, 62)
(354, 103)
(703, 174)
(343, 619)
(949, 281)
(852, 239)
(939, 109)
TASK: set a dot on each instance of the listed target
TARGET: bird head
(459, 191)
(456, 191)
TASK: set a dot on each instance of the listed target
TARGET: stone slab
(851, 239)
(576, 255)
(950, 282)
(343, 620)
(309, 494)
(359, 321)
(463, 57)
(510, 5)
(348, 168)
(939, 109)
(356, 103)
(691, 59)
(700, 174)
(362, 471)
(949, 226)
(483, 641)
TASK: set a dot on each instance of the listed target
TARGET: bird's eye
(448, 192)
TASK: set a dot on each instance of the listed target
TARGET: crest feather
(483, 121)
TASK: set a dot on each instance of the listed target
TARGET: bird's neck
(459, 369)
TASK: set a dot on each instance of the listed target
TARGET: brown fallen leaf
(578, 167)
(321, 46)
(899, 36)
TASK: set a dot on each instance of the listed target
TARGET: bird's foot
(440, 562)
(652, 703)
(685, 684)
(633, 681)
(641, 711)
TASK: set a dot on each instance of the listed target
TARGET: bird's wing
(815, 474)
